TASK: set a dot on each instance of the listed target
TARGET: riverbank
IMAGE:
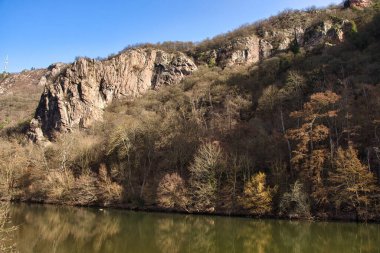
(156, 209)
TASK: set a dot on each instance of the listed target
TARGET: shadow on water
(68, 229)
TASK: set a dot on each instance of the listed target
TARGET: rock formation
(76, 94)
(360, 3)
(254, 48)
(240, 51)
(326, 32)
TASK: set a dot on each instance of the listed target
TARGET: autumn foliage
(257, 196)
(353, 186)
(171, 192)
(224, 139)
(310, 155)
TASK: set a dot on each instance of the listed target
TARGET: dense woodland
(294, 136)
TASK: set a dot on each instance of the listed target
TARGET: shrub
(295, 46)
(13, 162)
(257, 197)
(295, 204)
(108, 191)
(171, 192)
(58, 185)
(203, 181)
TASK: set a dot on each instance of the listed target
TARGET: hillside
(19, 95)
(278, 119)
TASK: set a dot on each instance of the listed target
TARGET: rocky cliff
(76, 94)
(260, 46)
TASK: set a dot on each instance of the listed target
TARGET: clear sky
(36, 33)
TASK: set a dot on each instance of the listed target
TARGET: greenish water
(49, 229)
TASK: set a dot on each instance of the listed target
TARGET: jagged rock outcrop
(326, 33)
(266, 49)
(240, 51)
(254, 48)
(76, 94)
(360, 3)
(281, 40)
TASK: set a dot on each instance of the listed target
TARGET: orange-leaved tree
(311, 153)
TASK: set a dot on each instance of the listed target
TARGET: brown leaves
(171, 192)
(310, 155)
(319, 106)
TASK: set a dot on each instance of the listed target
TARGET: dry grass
(21, 96)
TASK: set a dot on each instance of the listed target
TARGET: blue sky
(36, 33)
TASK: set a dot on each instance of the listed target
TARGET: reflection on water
(68, 230)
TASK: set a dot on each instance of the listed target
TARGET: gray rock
(76, 94)
(241, 51)
(360, 3)
(265, 49)
(326, 33)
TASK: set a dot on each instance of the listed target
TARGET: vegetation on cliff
(294, 135)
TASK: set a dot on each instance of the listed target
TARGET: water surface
(49, 229)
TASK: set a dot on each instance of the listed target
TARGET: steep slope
(286, 129)
(19, 94)
(76, 94)
(257, 47)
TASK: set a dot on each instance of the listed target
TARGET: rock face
(326, 32)
(240, 51)
(255, 48)
(360, 3)
(76, 94)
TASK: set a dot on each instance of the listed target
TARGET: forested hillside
(292, 132)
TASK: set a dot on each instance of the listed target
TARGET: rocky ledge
(255, 48)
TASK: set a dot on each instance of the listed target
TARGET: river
(50, 229)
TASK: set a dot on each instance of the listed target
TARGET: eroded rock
(326, 33)
(360, 3)
(76, 94)
(244, 50)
